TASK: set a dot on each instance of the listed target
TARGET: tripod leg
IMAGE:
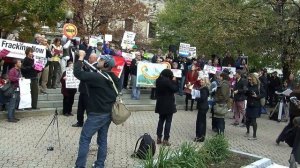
(273, 111)
(52, 121)
(57, 132)
(280, 111)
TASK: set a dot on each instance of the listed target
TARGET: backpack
(146, 144)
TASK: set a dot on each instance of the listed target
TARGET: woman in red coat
(191, 82)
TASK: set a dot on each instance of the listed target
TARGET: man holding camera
(101, 98)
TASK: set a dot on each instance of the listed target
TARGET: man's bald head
(93, 58)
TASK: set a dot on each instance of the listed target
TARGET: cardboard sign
(119, 66)
(147, 73)
(15, 49)
(71, 81)
(232, 70)
(128, 56)
(70, 30)
(108, 37)
(193, 52)
(128, 40)
(25, 93)
(202, 74)
(177, 73)
(184, 49)
(210, 69)
(93, 40)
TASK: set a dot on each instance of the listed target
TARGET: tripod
(281, 106)
(54, 119)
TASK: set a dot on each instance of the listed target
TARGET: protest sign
(193, 52)
(25, 93)
(147, 73)
(93, 40)
(202, 74)
(108, 37)
(210, 69)
(177, 73)
(184, 49)
(232, 70)
(128, 40)
(71, 81)
(119, 66)
(70, 30)
(15, 49)
(128, 56)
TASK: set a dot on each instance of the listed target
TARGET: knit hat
(108, 59)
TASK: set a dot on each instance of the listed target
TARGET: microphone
(85, 62)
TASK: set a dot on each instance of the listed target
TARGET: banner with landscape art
(147, 73)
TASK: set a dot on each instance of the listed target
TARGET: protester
(295, 155)
(86, 47)
(183, 65)
(37, 39)
(14, 76)
(202, 104)
(158, 58)
(100, 102)
(84, 93)
(254, 94)
(68, 93)
(228, 61)
(190, 83)
(222, 96)
(54, 65)
(44, 74)
(165, 104)
(239, 96)
(274, 86)
(99, 50)
(264, 83)
(133, 72)
(29, 72)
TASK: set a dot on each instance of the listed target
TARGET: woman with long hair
(166, 87)
(202, 105)
(54, 65)
(254, 93)
(191, 82)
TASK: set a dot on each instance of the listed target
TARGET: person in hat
(102, 97)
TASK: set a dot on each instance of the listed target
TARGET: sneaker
(252, 138)
(77, 125)
(12, 120)
(277, 141)
(199, 139)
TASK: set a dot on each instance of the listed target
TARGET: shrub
(217, 148)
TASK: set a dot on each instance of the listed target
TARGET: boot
(158, 141)
(186, 108)
(166, 143)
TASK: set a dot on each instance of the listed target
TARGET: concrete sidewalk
(17, 140)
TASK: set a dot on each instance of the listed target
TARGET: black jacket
(165, 89)
(254, 101)
(241, 87)
(202, 103)
(133, 67)
(28, 70)
(102, 95)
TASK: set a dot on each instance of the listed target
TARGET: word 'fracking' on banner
(20, 46)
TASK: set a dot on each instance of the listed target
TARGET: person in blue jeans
(101, 98)
(136, 90)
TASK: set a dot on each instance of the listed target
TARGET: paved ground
(17, 141)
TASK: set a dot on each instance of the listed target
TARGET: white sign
(108, 37)
(184, 49)
(25, 93)
(202, 74)
(128, 56)
(128, 40)
(210, 69)
(15, 49)
(232, 70)
(94, 40)
(193, 51)
(71, 81)
(177, 73)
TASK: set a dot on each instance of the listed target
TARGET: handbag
(7, 90)
(220, 109)
(120, 113)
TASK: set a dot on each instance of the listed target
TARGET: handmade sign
(25, 93)
(193, 52)
(128, 40)
(202, 74)
(108, 37)
(70, 30)
(147, 73)
(94, 40)
(16, 49)
(210, 69)
(119, 66)
(71, 80)
(177, 73)
(232, 70)
(184, 49)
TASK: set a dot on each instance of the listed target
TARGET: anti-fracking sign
(15, 49)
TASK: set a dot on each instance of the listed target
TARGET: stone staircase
(54, 99)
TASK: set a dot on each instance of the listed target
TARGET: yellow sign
(70, 30)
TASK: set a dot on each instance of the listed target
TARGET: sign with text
(210, 69)
(177, 73)
(108, 37)
(71, 81)
(147, 73)
(70, 30)
(128, 40)
(184, 49)
(202, 74)
(93, 40)
(119, 66)
(193, 52)
(232, 70)
(15, 49)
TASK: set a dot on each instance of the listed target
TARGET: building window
(128, 24)
(152, 30)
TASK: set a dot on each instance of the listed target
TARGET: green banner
(147, 73)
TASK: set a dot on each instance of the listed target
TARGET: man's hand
(81, 55)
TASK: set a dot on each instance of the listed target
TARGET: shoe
(199, 139)
(67, 115)
(214, 129)
(70, 114)
(277, 141)
(166, 143)
(43, 92)
(158, 141)
(252, 138)
(235, 124)
(77, 125)
(17, 119)
(12, 120)
(246, 135)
